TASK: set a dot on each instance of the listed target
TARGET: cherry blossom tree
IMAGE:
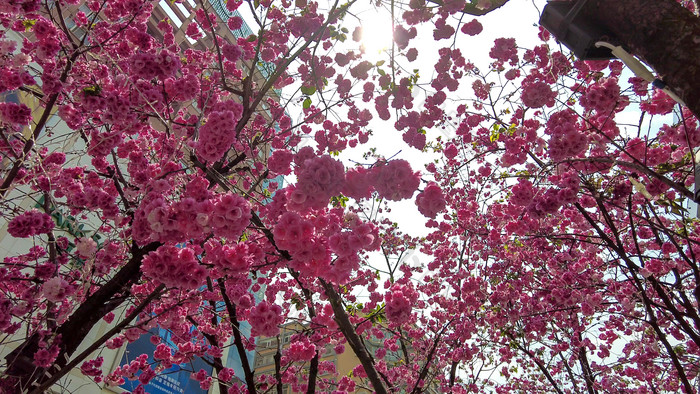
(146, 180)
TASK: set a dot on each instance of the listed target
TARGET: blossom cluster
(231, 259)
(45, 357)
(219, 132)
(311, 241)
(138, 364)
(192, 215)
(174, 267)
(183, 89)
(301, 350)
(431, 200)
(30, 223)
(110, 255)
(15, 114)
(56, 289)
(537, 93)
(393, 180)
(319, 179)
(230, 216)
(147, 65)
(93, 368)
(265, 319)
(504, 49)
(297, 235)
(659, 104)
(83, 190)
(472, 28)
(160, 220)
(604, 97)
(399, 303)
(567, 140)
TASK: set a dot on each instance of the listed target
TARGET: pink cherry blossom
(538, 94)
(56, 289)
(265, 319)
(318, 180)
(29, 224)
(167, 179)
(472, 28)
(16, 114)
(431, 200)
(175, 267)
(399, 301)
(504, 49)
(395, 180)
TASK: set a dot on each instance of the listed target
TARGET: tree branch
(56, 375)
(353, 339)
(237, 339)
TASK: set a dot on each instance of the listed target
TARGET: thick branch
(56, 375)
(586, 368)
(662, 32)
(278, 369)
(539, 363)
(73, 331)
(429, 360)
(238, 339)
(353, 339)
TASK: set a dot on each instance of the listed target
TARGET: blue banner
(175, 380)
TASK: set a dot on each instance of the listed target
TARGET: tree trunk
(662, 33)
(22, 374)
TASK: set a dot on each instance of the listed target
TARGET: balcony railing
(265, 68)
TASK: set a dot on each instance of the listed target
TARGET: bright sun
(376, 33)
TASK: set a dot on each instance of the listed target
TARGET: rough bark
(662, 33)
(238, 339)
(20, 361)
(353, 338)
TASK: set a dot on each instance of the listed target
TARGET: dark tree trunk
(21, 374)
(662, 33)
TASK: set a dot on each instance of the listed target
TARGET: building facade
(176, 380)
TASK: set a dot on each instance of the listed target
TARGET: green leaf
(296, 301)
(308, 90)
(28, 23)
(307, 103)
(94, 90)
(339, 201)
